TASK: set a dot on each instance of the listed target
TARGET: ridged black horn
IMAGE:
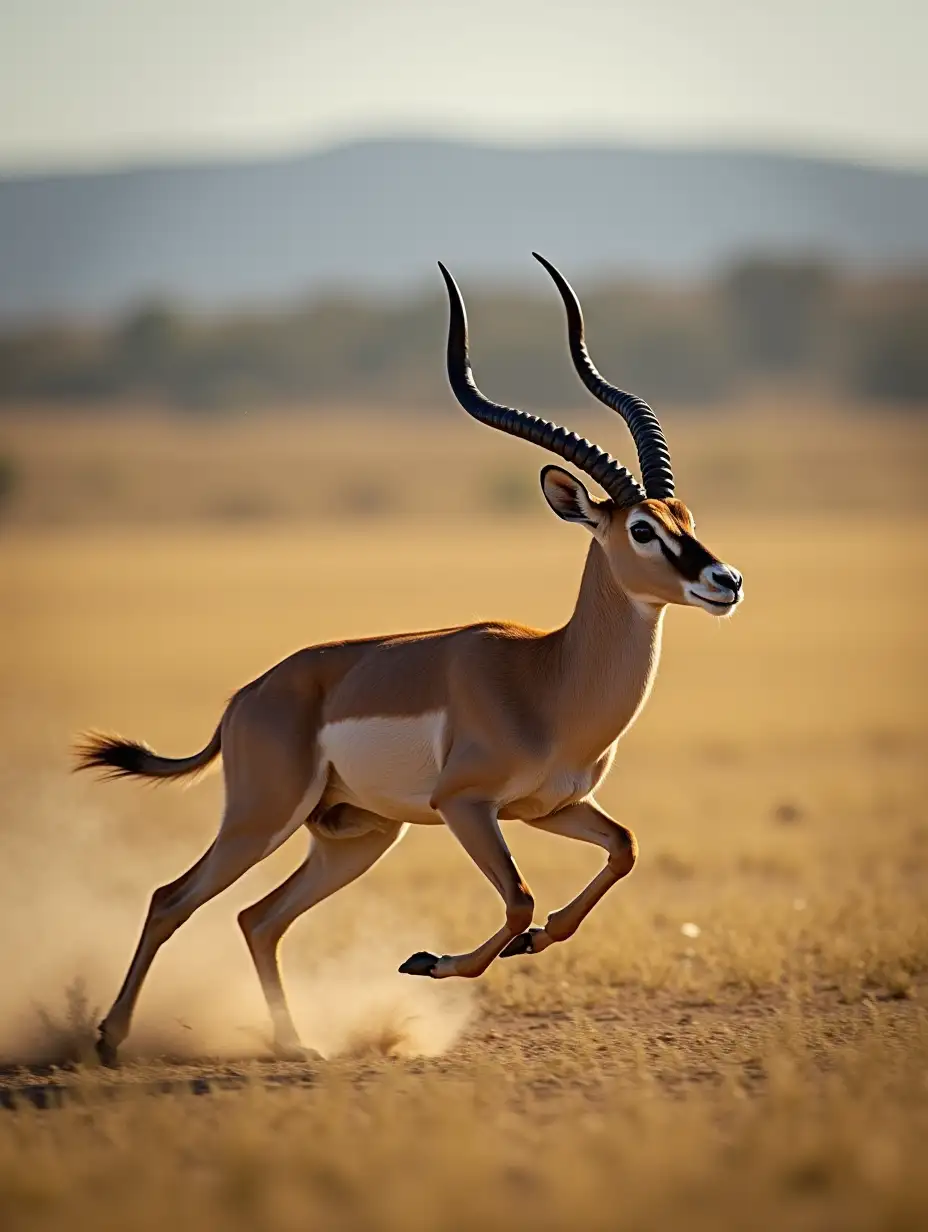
(650, 442)
(587, 457)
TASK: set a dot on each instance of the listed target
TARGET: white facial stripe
(668, 540)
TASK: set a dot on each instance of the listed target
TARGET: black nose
(730, 581)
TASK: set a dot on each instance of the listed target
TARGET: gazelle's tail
(116, 758)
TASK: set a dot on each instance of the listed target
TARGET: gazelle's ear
(570, 500)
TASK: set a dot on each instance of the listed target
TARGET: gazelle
(466, 726)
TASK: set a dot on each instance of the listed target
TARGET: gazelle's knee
(262, 931)
(161, 900)
(622, 850)
(165, 913)
(249, 921)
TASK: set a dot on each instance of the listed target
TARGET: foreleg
(586, 822)
(474, 824)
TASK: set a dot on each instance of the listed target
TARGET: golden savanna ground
(737, 1037)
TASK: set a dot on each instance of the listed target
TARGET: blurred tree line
(761, 321)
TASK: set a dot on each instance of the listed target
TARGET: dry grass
(768, 1072)
(133, 465)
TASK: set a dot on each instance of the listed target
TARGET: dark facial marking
(693, 557)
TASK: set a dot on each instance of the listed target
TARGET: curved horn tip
(454, 291)
(568, 294)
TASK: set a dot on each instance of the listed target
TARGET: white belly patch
(387, 764)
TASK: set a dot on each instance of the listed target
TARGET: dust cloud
(73, 894)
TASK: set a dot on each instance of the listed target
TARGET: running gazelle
(465, 726)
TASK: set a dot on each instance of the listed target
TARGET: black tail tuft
(116, 758)
(112, 756)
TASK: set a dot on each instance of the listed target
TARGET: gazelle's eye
(642, 532)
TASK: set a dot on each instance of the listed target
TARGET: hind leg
(115, 1026)
(346, 843)
(274, 779)
(231, 855)
(252, 829)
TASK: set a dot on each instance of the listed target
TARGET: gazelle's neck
(608, 655)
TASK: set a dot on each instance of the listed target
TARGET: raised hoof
(422, 963)
(523, 944)
(106, 1052)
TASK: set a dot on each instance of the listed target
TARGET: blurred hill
(377, 214)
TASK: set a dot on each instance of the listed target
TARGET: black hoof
(106, 1052)
(422, 963)
(521, 944)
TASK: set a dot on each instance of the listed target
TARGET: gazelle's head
(651, 547)
(648, 536)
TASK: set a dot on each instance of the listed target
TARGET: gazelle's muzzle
(719, 589)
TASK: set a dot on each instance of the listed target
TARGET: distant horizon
(230, 153)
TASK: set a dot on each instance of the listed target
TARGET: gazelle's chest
(561, 781)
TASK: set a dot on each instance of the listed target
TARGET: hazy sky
(89, 82)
